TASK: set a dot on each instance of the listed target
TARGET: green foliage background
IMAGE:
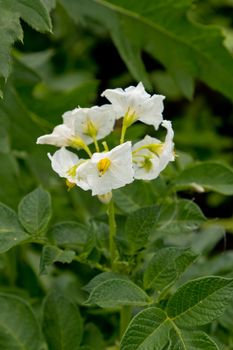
(56, 56)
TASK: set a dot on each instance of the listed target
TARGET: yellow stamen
(147, 165)
(129, 118)
(156, 148)
(104, 143)
(103, 165)
(90, 129)
(69, 184)
(77, 142)
(72, 171)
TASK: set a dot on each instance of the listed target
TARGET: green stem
(112, 231)
(87, 150)
(96, 144)
(125, 316)
(123, 131)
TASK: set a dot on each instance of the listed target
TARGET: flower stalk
(112, 232)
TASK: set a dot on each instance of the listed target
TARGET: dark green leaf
(210, 176)
(52, 254)
(166, 267)
(182, 216)
(148, 330)
(62, 323)
(200, 301)
(102, 277)
(117, 292)
(35, 211)
(183, 340)
(11, 232)
(33, 12)
(160, 28)
(139, 226)
(19, 329)
(72, 234)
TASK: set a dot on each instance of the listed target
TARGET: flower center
(156, 148)
(90, 128)
(76, 142)
(72, 171)
(103, 165)
(130, 117)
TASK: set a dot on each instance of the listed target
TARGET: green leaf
(182, 216)
(139, 226)
(183, 340)
(74, 235)
(62, 323)
(211, 176)
(200, 301)
(93, 338)
(117, 292)
(11, 232)
(148, 330)
(13, 33)
(19, 329)
(160, 28)
(35, 211)
(33, 12)
(52, 254)
(166, 267)
(102, 277)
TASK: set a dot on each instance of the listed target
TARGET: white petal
(59, 137)
(69, 119)
(158, 163)
(151, 110)
(147, 108)
(63, 160)
(119, 173)
(81, 175)
(103, 118)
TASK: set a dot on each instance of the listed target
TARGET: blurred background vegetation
(55, 72)
(91, 49)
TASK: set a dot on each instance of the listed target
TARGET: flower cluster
(108, 169)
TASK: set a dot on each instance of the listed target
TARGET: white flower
(61, 136)
(81, 126)
(136, 104)
(108, 170)
(151, 156)
(95, 122)
(65, 164)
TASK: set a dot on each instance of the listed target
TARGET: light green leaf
(148, 330)
(166, 267)
(33, 12)
(211, 176)
(35, 211)
(159, 28)
(19, 329)
(117, 292)
(11, 232)
(183, 340)
(182, 216)
(139, 226)
(200, 301)
(62, 323)
(52, 254)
